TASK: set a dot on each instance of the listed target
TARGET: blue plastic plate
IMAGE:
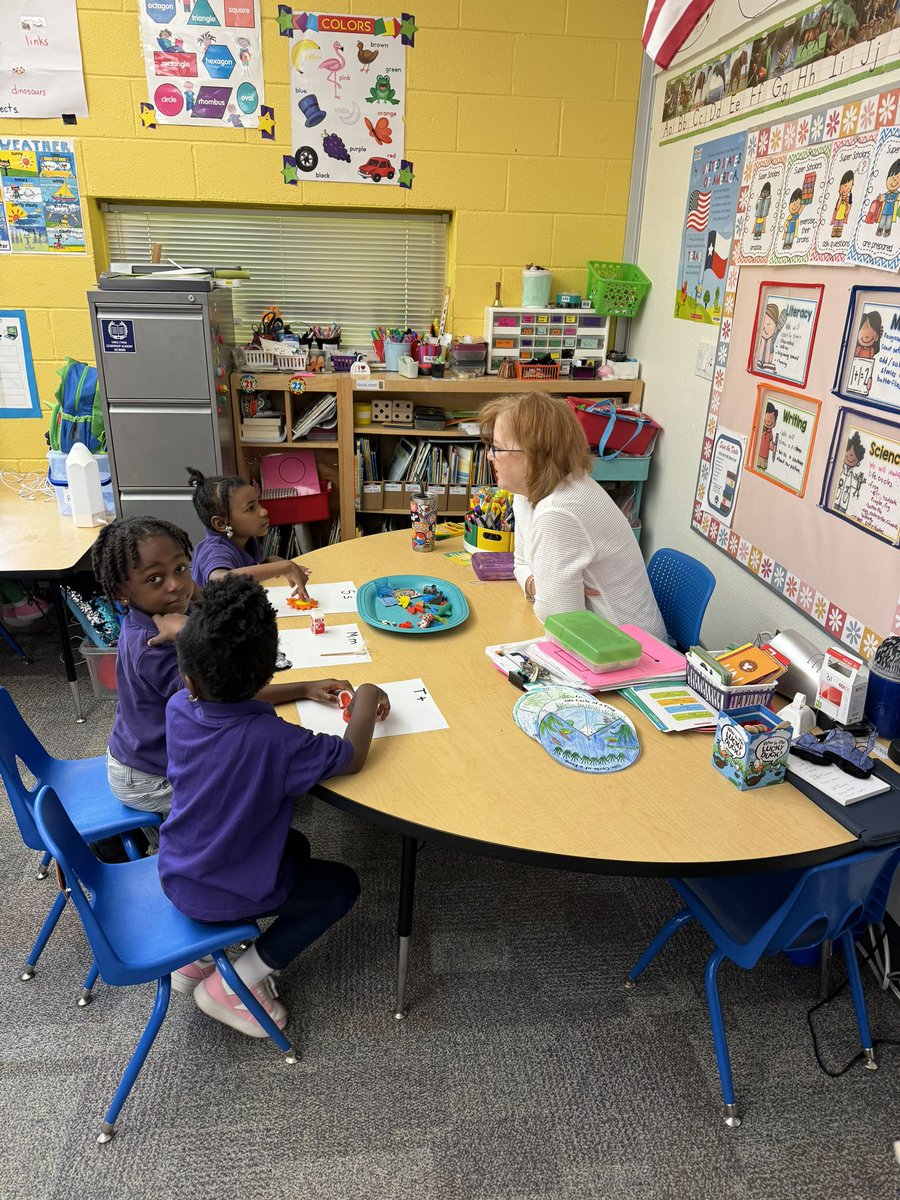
(374, 612)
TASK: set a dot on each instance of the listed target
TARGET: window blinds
(355, 270)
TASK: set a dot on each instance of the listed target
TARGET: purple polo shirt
(217, 552)
(146, 677)
(235, 769)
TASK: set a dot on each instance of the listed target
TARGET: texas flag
(717, 249)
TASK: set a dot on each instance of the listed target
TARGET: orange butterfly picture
(380, 131)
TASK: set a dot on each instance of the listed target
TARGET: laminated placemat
(875, 821)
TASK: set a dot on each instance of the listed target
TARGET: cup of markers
(490, 521)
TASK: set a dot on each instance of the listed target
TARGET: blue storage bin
(56, 473)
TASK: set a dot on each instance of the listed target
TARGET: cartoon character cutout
(772, 323)
(868, 336)
(889, 201)
(850, 481)
(763, 204)
(768, 438)
(244, 54)
(189, 95)
(234, 117)
(844, 203)
(793, 218)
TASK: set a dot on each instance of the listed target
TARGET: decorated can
(423, 512)
(317, 623)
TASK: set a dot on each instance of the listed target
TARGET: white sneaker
(214, 997)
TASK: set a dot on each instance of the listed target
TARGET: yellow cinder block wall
(520, 120)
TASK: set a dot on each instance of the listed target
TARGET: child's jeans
(322, 893)
(137, 789)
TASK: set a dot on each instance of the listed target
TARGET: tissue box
(746, 755)
(843, 681)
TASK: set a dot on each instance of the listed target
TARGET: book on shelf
(267, 427)
(320, 413)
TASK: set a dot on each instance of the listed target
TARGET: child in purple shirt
(235, 521)
(227, 851)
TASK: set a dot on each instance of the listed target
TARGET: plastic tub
(598, 643)
(101, 664)
(58, 476)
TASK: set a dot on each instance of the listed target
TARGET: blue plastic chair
(682, 587)
(83, 785)
(12, 643)
(138, 935)
(752, 916)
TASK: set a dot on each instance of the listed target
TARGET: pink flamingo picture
(333, 65)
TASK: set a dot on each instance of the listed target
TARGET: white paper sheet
(337, 645)
(413, 710)
(332, 598)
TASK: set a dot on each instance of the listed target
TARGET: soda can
(423, 512)
(317, 623)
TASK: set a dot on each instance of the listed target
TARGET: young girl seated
(226, 850)
(235, 521)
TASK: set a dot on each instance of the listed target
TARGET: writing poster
(869, 369)
(41, 197)
(40, 60)
(762, 208)
(863, 481)
(784, 430)
(708, 228)
(18, 389)
(801, 202)
(725, 467)
(203, 60)
(785, 330)
(842, 194)
(348, 98)
(876, 237)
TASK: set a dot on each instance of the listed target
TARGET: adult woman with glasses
(574, 547)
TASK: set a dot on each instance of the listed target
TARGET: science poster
(203, 60)
(842, 198)
(876, 237)
(708, 228)
(801, 203)
(41, 197)
(348, 98)
(863, 482)
(785, 330)
(869, 370)
(784, 430)
(40, 60)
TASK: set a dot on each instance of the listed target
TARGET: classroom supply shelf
(520, 334)
(634, 469)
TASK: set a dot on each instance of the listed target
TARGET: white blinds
(355, 270)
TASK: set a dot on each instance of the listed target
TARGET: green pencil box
(598, 643)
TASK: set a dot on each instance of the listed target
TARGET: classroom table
(483, 785)
(37, 543)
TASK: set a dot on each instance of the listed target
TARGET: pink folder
(294, 471)
(658, 661)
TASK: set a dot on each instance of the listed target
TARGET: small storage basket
(723, 698)
(252, 358)
(341, 363)
(616, 289)
(537, 370)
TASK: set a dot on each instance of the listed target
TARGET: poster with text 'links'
(204, 61)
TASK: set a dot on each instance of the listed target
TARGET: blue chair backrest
(682, 587)
(17, 740)
(84, 875)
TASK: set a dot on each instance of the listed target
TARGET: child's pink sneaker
(214, 997)
(23, 614)
(186, 978)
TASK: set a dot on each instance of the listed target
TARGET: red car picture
(377, 169)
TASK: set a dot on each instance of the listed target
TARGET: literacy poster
(725, 467)
(785, 330)
(348, 97)
(842, 194)
(41, 209)
(863, 480)
(762, 206)
(869, 369)
(40, 59)
(801, 200)
(203, 60)
(708, 228)
(876, 238)
(784, 430)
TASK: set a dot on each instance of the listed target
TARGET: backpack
(77, 415)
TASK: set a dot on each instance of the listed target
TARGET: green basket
(616, 289)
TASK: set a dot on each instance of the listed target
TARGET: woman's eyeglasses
(492, 449)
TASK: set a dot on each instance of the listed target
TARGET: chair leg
(131, 847)
(43, 937)
(859, 1002)
(721, 1045)
(90, 979)
(231, 977)
(160, 1004)
(44, 868)
(671, 926)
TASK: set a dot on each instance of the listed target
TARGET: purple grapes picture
(334, 147)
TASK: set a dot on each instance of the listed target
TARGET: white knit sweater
(576, 538)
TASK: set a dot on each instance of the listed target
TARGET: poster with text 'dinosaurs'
(204, 61)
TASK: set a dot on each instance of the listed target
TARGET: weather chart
(204, 61)
(348, 85)
(41, 209)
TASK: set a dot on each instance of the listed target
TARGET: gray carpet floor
(525, 1071)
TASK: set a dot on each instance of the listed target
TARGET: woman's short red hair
(548, 431)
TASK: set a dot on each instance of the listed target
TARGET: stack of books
(264, 427)
(318, 419)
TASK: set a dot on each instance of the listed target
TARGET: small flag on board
(698, 210)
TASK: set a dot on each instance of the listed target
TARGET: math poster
(785, 330)
(876, 237)
(864, 477)
(203, 60)
(41, 209)
(708, 228)
(40, 60)
(348, 98)
(869, 371)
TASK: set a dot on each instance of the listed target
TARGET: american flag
(698, 210)
(667, 26)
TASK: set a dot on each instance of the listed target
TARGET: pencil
(341, 653)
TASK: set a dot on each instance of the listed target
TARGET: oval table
(484, 786)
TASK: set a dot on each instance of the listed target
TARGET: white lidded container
(83, 473)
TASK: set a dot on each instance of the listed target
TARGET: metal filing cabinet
(163, 360)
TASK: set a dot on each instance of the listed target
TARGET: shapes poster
(708, 228)
(797, 218)
(40, 59)
(41, 208)
(869, 369)
(842, 194)
(863, 480)
(876, 238)
(785, 330)
(203, 60)
(348, 97)
(784, 430)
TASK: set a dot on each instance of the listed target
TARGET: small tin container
(317, 623)
(423, 513)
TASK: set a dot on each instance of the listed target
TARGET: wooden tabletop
(485, 784)
(35, 540)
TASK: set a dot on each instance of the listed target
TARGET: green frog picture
(382, 92)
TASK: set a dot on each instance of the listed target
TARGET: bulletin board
(799, 479)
